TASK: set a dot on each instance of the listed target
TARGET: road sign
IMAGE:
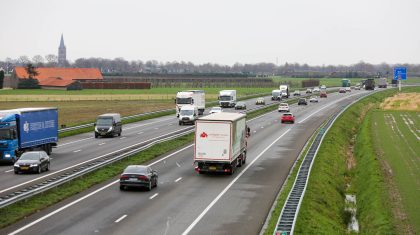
(400, 73)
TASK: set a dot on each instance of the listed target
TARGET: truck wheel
(48, 149)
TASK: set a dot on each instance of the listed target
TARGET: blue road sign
(400, 73)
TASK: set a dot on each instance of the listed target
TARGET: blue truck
(27, 129)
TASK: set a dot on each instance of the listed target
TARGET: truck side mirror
(175, 100)
(218, 97)
(94, 124)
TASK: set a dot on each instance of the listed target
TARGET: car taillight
(142, 177)
(197, 169)
(124, 177)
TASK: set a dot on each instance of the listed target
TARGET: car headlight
(96, 129)
(34, 165)
(16, 165)
(110, 128)
(7, 155)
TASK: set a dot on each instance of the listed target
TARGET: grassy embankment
(322, 210)
(19, 210)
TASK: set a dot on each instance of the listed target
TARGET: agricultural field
(396, 131)
(115, 94)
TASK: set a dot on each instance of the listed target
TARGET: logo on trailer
(26, 127)
(203, 135)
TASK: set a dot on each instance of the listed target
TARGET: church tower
(62, 53)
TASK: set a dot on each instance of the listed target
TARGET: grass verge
(22, 209)
(322, 209)
(285, 190)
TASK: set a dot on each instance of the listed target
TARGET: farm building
(58, 78)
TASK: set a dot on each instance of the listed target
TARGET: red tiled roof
(56, 82)
(64, 73)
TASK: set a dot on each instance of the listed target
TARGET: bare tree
(38, 60)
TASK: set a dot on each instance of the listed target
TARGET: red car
(323, 95)
(287, 117)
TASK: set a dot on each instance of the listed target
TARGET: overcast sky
(218, 31)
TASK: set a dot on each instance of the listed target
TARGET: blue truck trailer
(27, 129)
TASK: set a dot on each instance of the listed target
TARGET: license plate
(133, 179)
(212, 168)
(24, 168)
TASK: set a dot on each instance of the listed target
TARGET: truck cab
(276, 95)
(284, 89)
(188, 114)
(227, 98)
(191, 97)
(108, 124)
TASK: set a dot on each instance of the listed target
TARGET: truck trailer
(27, 129)
(191, 97)
(220, 143)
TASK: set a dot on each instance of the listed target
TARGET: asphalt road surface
(186, 202)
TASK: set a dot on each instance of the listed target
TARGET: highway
(184, 202)
(83, 148)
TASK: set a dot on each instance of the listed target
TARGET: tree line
(122, 67)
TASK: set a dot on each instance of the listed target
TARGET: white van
(188, 114)
(284, 107)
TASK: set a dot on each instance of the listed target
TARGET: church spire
(62, 42)
(62, 59)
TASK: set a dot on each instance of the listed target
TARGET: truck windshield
(104, 122)
(183, 100)
(186, 112)
(225, 98)
(5, 134)
(277, 93)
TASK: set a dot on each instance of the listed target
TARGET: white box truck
(191, 97)
(220, 143)
(227, 98)
(284, 89)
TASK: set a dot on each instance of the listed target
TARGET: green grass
(241, 91)
(22, 209)
(373, 211)
(400, 149)
(322, 209)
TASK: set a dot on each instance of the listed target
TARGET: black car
(138, 176)
(36, 161)
(240, 105)
(302, 101)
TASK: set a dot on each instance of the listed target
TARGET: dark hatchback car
(36, 161)
(138, 176)
(302, 101)
(240, 105)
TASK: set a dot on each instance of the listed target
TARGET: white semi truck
(220, 143)
(191, 97)
(227, 98)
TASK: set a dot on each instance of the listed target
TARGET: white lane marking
(154, 195)
(180, 178)
(88, 195)
(141, 132)
(110, 184)
(121, 218)
(326, 106)
(9, 171)
(156, 128)
(101, 144)
(74, 142)
(76, 151)
(177, 164)
(121, 138)
(123, 129)
(230, 184)
(146, 124)
(93, 159)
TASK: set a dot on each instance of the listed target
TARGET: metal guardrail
(72, 128)
(288, 215)
(96, 163)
